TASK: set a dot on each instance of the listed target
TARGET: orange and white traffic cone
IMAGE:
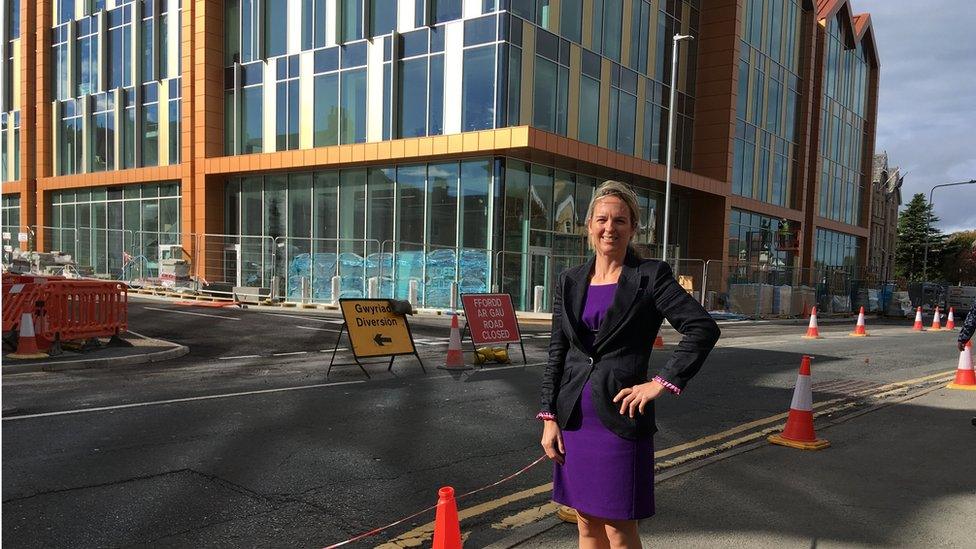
(965, 376)
(799, 432)
(951, 321)
(813, 331)
(936, 320)
(918, 321)
(26, 340)
(455, 357)
(659, 341)
(447, 527)
(859, 330)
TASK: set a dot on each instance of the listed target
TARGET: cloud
(927, 99)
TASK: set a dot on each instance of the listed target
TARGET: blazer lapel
(573, 299)
(628, 288)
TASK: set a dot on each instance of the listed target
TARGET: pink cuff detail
(667, 385)
(546, 416)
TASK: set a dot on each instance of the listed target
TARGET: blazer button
(591, 361)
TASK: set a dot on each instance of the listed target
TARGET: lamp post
(667, 179)
(925, 255)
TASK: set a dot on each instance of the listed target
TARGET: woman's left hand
(638, 396)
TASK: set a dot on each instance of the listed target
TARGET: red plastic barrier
(18, 298)
(82, 309)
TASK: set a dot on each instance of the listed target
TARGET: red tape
(375, 531)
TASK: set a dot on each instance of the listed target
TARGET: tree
(958, 264)
(916, 226)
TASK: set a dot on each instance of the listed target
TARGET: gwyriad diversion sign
(374, 329)
(491, 318)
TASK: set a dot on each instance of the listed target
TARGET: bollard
(454, 296)
(306, 290)
(412, 292)
(539, 299)
(336, 288)
(372, 287)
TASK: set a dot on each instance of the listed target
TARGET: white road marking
(234, 357)
(312, 318)
(289, 354)
(180, 400)
(318, 329)
(339, 350)
(189, 313)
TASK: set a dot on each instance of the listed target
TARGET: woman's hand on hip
(636, 397)
(552, 441)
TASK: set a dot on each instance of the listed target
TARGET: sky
(927, 99)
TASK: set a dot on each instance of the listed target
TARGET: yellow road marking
(420, 534)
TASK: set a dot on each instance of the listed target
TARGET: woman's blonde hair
(621, 191)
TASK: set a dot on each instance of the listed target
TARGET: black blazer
(646, 294)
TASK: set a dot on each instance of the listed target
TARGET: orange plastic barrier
(82, 309)
(18, 298)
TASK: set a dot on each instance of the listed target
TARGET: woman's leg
(592, 532)
(623, 534)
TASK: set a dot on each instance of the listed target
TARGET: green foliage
(958, 264)
(916, 226)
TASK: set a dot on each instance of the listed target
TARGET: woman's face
(610, 227)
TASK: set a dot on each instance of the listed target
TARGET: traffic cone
(918, 321)
(455, 357)
(859, 330)
(798, 432)
(447, 528)
(813, 331)
(936, 320)
(27, 341)
(951, 322)
(659, 341)
(965, 376)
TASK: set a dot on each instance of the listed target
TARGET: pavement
(901, 475)
(135, 349)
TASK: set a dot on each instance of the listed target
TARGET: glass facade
(765, 145)
(91, 78)
(842, 129)
(480, 224)
(453, 75)
(115, 231)
(10, 97)
(11, 215)
(754, 240)
(836, 250)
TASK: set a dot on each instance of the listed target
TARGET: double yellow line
(419, 535)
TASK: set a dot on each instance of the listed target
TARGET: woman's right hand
(552, 442)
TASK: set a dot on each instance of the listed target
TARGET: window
(446, 10)
(412, 108)
(313, 23)
(382, 15)
(148, 67)
(287, 126)
(623, 109)
(120, 46)
(250, 30)
(351, 20)
(550, 102)
(325, 122)
(571, 20)
(442, 197)
(128, 134)
(276, 28)
(174, 121)
(352, 106)
(70, 149)
(150, 124)
(59, 58)
(252, 108)
(87, 51)
(102, 137)
(478, 88)
(589, 121)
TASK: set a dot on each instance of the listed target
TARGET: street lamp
(667, 178)
(925, 255)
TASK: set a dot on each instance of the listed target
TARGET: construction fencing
(321, 270)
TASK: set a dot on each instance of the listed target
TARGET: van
(960, 298)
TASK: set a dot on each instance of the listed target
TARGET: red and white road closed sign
(491, 318)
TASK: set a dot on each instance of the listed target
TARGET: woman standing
(597, 401)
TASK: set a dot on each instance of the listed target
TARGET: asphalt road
(246, 442)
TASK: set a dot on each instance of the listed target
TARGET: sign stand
(379, 332)
(494, 316)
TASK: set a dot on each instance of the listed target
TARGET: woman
(597, 402)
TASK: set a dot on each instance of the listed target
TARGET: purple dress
(604, 475)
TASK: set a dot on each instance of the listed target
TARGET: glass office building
(428, 144)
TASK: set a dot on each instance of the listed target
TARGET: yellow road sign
(374, 329)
